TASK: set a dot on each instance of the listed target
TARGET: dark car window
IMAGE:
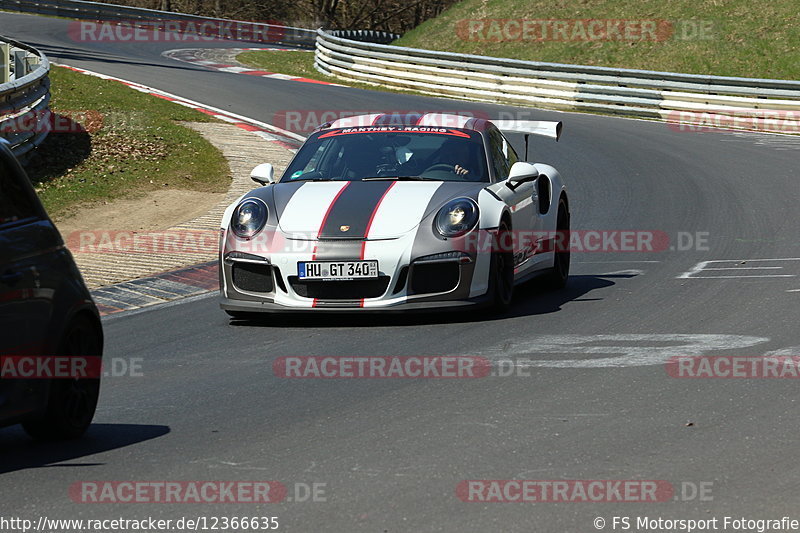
(498, 149)
(511, 155)
(357, 153)
(15, 201)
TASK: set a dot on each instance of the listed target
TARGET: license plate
(329, 270)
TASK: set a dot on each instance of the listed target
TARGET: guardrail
(639, 93)
(183, 23)
(366, 36)
(24, 96)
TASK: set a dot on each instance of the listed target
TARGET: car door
(28, 241)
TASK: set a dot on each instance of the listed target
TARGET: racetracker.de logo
(758, 120)
(145, 242)
(563, 30)
(307, 120)
(177, 492)
(372, 367)
(50, 367)
(172, 30)
(734, 367)
(88, 121)
(564, 491)
(564, 241)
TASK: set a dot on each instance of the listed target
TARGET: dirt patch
(156, 210)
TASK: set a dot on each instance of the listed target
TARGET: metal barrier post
(20, 65)
(5, 58)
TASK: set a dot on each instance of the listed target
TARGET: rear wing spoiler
(533, 127)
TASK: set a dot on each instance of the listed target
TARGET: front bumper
(340, 307)
(412, 276)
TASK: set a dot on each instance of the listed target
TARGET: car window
(500, 161)
(511, 154)
(15, 201)
(391, 151)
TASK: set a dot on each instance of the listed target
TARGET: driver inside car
(457, 153)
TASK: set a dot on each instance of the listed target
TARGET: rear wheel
(501, 272)
(557, 277)
(72, 402)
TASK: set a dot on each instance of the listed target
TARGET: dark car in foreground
(51, 339)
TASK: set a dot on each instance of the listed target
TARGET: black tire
(558, 275)
(501, 272)
(71, 403)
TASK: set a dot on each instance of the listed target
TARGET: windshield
(390, 152)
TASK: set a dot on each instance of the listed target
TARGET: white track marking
(784, 352)
(737, 264)
(748, 276)
(744, 268)
(625, 349)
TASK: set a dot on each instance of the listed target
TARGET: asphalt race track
(594, 403)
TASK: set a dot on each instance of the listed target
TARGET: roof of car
(442, 120)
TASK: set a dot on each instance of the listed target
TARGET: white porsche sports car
(396, 212)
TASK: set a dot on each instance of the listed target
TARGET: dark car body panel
(41, 289)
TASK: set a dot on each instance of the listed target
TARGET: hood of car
(361, 209)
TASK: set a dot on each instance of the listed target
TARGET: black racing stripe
(353, 210)
(355, 304)
(338, 250)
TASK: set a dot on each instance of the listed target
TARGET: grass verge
(290, 62)
(127, 143)
(726, 38)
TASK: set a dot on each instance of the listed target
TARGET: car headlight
(249, 218)
(456, 217)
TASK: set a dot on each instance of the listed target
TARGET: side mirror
(521, 173)
(263, 174)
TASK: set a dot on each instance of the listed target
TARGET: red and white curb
(196, 56)
(282, 137)
(157, 289)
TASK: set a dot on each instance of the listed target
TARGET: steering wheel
(440, 166)
(314, 175)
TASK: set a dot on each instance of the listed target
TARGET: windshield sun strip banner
(396, 129)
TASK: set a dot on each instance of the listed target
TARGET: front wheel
(501, 272)
(556, 278)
